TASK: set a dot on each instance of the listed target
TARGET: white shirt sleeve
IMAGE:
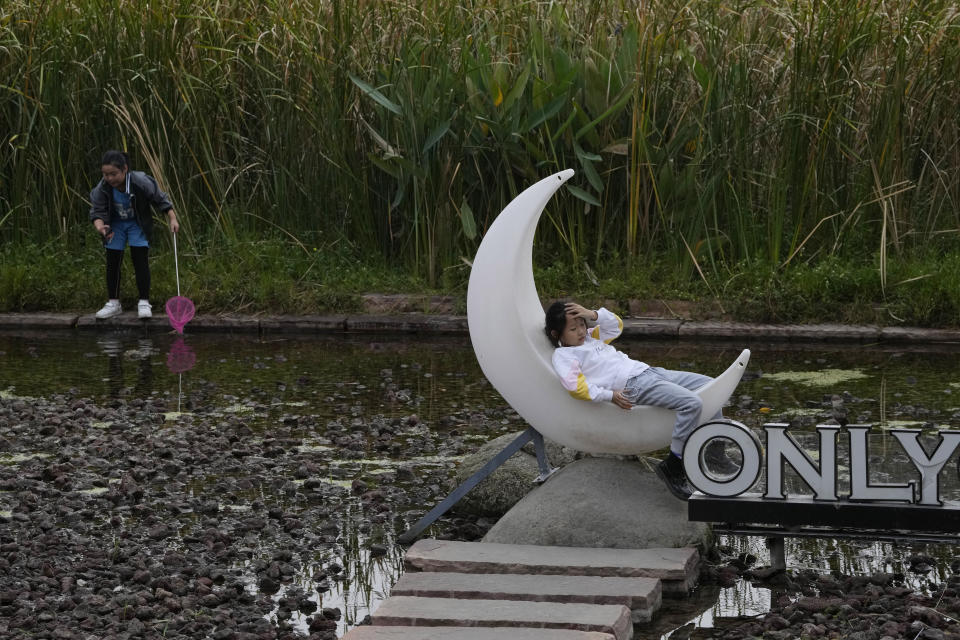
(609, 326)
(571, 377)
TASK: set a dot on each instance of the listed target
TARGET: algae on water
(901, 424)
(17, 458)
(820, 378)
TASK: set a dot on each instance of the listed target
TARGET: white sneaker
(143, 309)
(112, 308)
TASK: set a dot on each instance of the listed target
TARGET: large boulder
(511, 481)
(601, 502)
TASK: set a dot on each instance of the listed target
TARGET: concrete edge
(447, 324)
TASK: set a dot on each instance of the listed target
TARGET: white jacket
(594, 370)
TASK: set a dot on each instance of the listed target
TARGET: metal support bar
(525, 437)
(545, 469)
(778, 554)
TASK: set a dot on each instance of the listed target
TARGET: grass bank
(729, 139)
(275, 275)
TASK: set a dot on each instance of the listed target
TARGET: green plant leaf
(434, 136)
(399, 195)
(378, 97)
(518, 88)
(586, 161)
(387, 167)
(467, 220)
(615, 107)
(586, 155)
(586, 196)
(702, 75)
(388, 150)
(540, 116)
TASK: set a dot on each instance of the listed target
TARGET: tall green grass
(704, 134)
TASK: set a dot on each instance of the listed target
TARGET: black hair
(118, 159)
(556, 321)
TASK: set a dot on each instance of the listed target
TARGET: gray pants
(672, 390)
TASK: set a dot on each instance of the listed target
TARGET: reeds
(704, 134)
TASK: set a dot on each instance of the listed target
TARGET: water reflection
(125, 355)
(180, 359)
(343, 584)
(821, 556)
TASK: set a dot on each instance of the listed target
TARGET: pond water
(435, 384)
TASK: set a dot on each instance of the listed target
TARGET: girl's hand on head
(575, 310)
(621, 401)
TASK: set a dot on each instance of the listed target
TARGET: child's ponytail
(556, 321)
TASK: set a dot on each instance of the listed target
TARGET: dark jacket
(144, 192)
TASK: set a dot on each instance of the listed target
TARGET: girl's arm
(609, 326)
(99, 205)
(155, 196)
(100, 213)
(575, 310)
(174, 224)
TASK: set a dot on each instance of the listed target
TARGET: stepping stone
(640, 595)
(613, 619)
(371, 632)
(676, 568)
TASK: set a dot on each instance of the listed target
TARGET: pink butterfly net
(180, 310)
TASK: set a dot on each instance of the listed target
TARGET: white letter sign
(929, 468)
(860, 487)
(782, 448)
(749, 447)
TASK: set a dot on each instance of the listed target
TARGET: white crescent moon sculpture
(506, 327)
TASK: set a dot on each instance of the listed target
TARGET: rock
(321, 624)
(160, 532)
(762, 573)
(331, 613)
(269, 585)
(811, 630)
(817, 605)
(601, 502)
(775, 622)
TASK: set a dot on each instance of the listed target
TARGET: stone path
(470, 633)
(474, 591)
(640, 595)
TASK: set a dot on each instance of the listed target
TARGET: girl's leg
(141, 266)
(715, 453)
(139, 253)
(691, 381)
(114, 260)
(673, 390)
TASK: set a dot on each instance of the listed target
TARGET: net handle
(176, 264)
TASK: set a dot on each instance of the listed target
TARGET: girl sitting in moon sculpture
(592, 370)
